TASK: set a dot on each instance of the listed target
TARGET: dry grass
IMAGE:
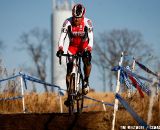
(96, 106)
(9, 106)
(141, 107)
(49, 102)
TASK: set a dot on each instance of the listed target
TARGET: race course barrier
(130, 79)
(23, 79)
(131, 111)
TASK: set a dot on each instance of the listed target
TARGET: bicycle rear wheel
(71, 94)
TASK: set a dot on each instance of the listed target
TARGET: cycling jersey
(80, 37)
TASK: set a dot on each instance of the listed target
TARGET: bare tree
(1, 45)
(36, 42)
(108, 47)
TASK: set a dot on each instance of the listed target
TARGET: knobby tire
(71, 92)
(80, 99)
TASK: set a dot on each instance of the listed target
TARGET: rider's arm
(90, 32)
(63, 34)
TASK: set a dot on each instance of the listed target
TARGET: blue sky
(17, 16)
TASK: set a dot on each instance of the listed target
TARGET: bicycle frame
(76, 70)
(76, 84)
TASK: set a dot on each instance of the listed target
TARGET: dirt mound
(92, 118)
(55, 121)
(63, 121)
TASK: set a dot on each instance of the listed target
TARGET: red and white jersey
(80, 37)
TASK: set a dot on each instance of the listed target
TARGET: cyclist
(80, 32)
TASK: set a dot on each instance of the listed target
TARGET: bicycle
(75, 93)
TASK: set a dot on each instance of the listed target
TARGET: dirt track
(55, 121)
(58, 121)
(88, 120)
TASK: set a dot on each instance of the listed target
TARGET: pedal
(86, 90)
(67, 103)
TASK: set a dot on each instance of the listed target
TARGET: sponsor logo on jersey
(78, 34)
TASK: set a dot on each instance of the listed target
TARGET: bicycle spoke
(71, 96)
(80, 98)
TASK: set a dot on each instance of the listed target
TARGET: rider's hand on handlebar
(87, 54)
(59, 52)
(89, 49)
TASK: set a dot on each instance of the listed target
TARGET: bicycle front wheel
(80, 99)
(71, 94)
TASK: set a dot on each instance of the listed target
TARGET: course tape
(116, 68)
(11, 98)
(105, 103)
(9, 78)
(135, 75)
(40, 81)
(92, 105)
(142, 66)
(131, 111)
(25, 78)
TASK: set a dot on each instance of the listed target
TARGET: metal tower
(61, 11)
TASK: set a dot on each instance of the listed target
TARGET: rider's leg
(87, 70)
(68, 75)
(71, 51)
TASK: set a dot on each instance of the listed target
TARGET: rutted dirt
(55, 121)
(90, 119)
(63, 121)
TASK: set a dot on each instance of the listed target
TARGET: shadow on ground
(55, 121)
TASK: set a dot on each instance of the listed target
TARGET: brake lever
(60, 61)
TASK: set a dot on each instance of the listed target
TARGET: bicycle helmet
(78, 11)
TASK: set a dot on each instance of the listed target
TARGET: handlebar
(67, 55)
